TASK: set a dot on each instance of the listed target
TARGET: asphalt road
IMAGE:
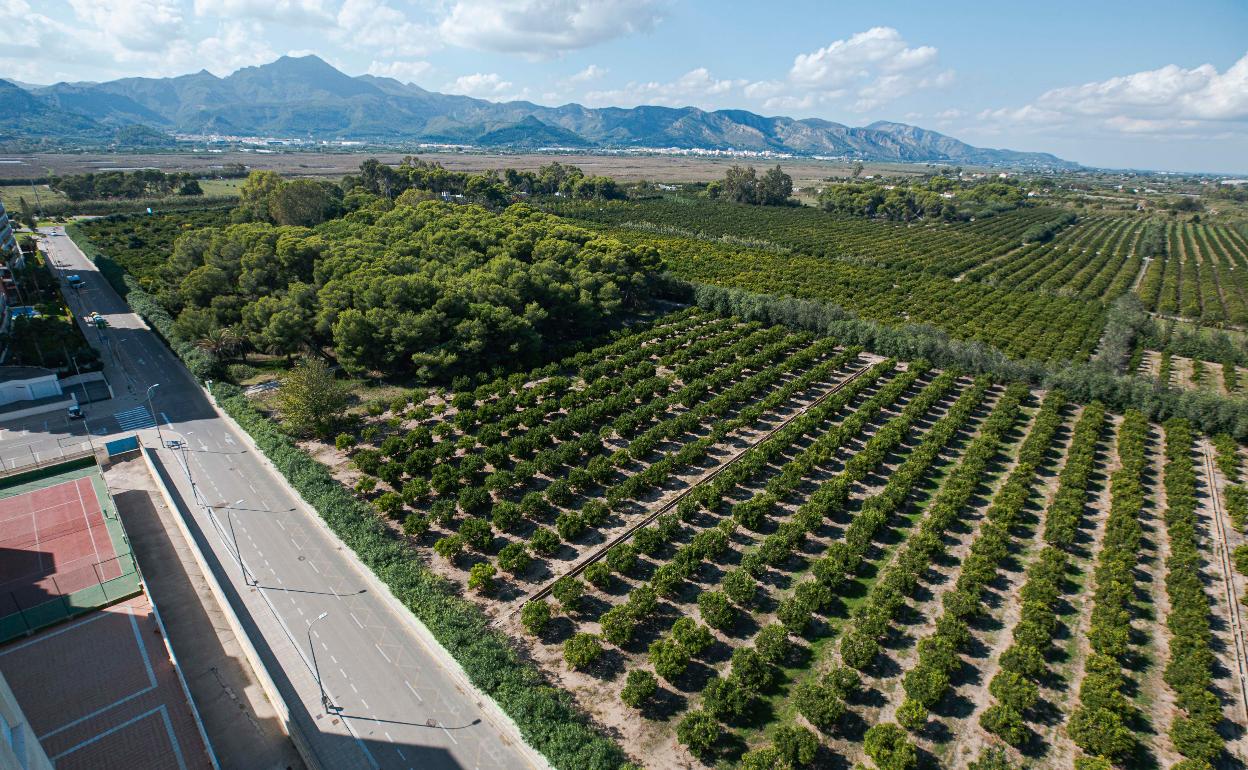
(397, 703)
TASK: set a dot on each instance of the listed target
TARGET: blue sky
(1125, 84)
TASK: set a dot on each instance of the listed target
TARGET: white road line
(383, 732)
(448, 735)
(335, 660)
(365, 703)
(413, 689)
(357, 620)
(383, 653)
(357, 692)
(314, 567)
(400, 754)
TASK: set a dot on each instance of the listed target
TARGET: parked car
(75, 412)
(75, 281)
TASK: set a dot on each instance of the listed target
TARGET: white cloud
(868, 69)
(592, 72)
(862, 55)
(1168, 93)
(134, 25)
(376, 27)
(289, 11)
(1170, 101)
(691, 89)
(480, 84)
(545, 27)
(404, 71)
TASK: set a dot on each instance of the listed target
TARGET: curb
(302, 745)
(491, 709)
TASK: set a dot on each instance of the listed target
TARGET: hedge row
(939, 654)
(1190, 670)
(1103, 723)
(1025, 662)
(888, 595)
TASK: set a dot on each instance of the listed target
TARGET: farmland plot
(739, 545)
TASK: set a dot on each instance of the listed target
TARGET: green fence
(30, 608)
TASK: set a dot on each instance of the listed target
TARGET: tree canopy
(430, 289)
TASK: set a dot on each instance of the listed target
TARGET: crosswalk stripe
(134, 419)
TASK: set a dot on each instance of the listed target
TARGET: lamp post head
(323, 615)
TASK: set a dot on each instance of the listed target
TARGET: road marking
(357, 620)
(413, 689)
(383, 653)
(400, 754)
(335, 660)
(357, 692)
(314, 567)
(448, 735)
(365, 703)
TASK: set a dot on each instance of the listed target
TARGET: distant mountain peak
(305, 96)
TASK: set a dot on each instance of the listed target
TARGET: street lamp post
(159, 436)
(229, 518)
(316, 669)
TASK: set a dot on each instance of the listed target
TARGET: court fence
(55, 598)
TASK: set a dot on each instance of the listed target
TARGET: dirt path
(1225, 587)
(1069, 673)
(995, 633)
(1155, 700)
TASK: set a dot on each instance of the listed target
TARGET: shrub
(822, 706)
(581, 650)
(725, 698)
(514, 558)
(534, 506)
(1196, 739)
(545, 542)
(481, 578)
(1100, 731)
(694, 638)
(442, 511)
(569, 525)
(715, 609)
(595, 513)
(668, 658)
(858, 649)
(1004, 722)
(1018, 692)
(599, 574)
(639, 688)
(535, 616)
(762, 758)
(912, 714)
(648, 540)
(618, 624)
(505, 515)
(1240, 555)
(415, 490)
(887, 745)
(568, 592)
(749, 667)
(365, 485)
(740, 586)
(477, 533)
(622, 558)
(699, 731)
(415, 525)
(449, 547)
(559, 493)
(474, 500)
(344, 441)
(796, 745)
(773, 643)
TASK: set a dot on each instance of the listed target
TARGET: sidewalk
(241, 723)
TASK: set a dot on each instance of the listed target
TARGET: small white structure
(27, 383)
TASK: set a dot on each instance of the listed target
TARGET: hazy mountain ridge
(304, 97)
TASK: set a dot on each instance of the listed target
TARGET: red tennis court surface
(53, 542)
(101, 693)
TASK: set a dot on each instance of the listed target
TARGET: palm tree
(221, 341)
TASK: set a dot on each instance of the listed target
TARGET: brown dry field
(657, 168)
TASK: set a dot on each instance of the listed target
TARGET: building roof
(14, 373)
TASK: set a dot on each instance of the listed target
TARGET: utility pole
(159, 436)
(316, 669)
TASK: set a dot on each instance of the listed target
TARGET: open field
(718, 536)
(655, 168)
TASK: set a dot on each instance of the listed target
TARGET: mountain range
(306, 98)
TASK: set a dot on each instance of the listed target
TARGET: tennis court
(62, 551)
(102, 692)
